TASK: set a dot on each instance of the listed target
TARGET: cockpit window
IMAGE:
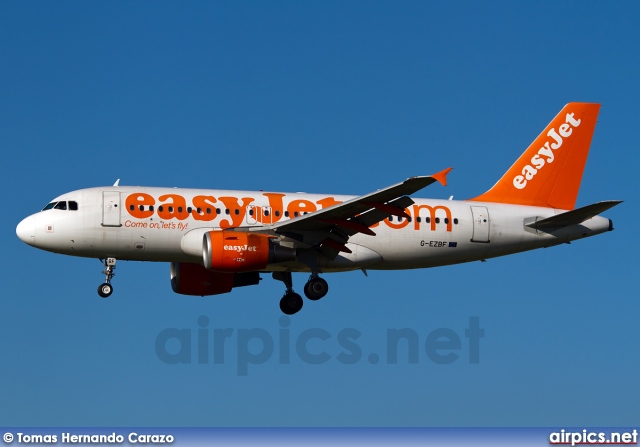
(62, 205)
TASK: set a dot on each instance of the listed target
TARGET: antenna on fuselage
(117, 183)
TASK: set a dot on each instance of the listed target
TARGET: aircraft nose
(26, 230)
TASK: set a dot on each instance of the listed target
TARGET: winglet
(441, 176)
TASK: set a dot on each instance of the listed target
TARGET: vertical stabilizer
(549, 172)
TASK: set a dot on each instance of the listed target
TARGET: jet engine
(235, 251)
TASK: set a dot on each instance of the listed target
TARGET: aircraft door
(259, 214)
(111, 209)
(480, 224)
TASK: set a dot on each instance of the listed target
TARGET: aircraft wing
(329, 228)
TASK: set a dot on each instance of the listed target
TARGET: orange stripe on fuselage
(141, 205)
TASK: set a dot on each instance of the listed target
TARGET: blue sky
(327, 97)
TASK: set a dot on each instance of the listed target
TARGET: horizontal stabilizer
(573, 217)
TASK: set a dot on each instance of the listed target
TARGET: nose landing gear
(106, 289)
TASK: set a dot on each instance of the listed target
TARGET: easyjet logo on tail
(545, 154)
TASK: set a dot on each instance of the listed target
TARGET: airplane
(217, 240)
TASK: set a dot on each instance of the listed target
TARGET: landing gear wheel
(105, 290)
(316, 288)
(291, 303)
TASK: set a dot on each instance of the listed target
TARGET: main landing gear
(106, 289)
(316, 288)
(291, 302)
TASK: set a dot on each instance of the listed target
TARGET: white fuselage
(167, 225)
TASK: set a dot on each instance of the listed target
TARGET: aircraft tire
(291, 303)
(316, 288)
(105, 290)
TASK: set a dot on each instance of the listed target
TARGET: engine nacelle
(194, 279)
(235, 251)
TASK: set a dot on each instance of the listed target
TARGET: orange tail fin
(549, 172)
